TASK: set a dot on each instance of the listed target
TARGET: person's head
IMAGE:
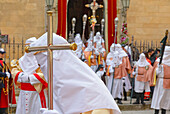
(89, 45)
(118, 47)
(158, 51)
(112, 47)
(2, 53)
(30, 40)
(150, 52)
(98, 35)
(142, 57)
(146, 54)
(116, 58)
(77, 38)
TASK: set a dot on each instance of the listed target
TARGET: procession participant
(160, 99)
(90, 38)
(29, 78)
(142, 71)
(90, 56)
(101, 62)
(77, 89)
(80, 46)
(126, 81)
(7, 93)
(100, 71)
(126, 61)
(147, 94)
(102, 54)
(98, 39)
(115, 71)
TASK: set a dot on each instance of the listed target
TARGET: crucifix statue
(94, 6)
(49, 48)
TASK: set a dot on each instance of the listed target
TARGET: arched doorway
(76, 8)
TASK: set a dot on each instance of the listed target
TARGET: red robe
(4, 93)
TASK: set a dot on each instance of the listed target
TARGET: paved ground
(142, 112)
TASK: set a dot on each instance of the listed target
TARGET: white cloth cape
(76, 87)
(122, 53)
(166, 56)
(28, 63)
(141, 86)
(160, 97)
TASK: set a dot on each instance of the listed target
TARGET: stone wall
(22, 18)
(148, 19)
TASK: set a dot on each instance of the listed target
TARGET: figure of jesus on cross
(94, 6)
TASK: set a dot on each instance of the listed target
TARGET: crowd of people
(87, 80)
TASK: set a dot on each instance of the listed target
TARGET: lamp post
(49, 4)
(116, 21)
(125, 4)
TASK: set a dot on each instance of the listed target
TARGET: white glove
(133, 73)
(92, 57)
(8, 74)
(159, 69)
(96, 52)
(111, 70)
(23, 77)
(46, 111)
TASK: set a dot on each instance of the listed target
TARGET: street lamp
(49, 4)
(125, 4)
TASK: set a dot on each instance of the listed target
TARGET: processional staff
(94, 6)
(73, 28)
(84, 26)
(49, 48)
(102, 27)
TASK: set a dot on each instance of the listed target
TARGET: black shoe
(156, 111)
(119, 102)
(163, 111)
(137, 102)
(143, 103)
(146, 99)
(125, 99)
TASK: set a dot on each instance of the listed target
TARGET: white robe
(117, 89)
(141, 86)
(77, 88)
(161, 98)
(28, 103)
(127, 86)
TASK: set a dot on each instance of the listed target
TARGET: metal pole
(9, 52)
(18, 52)
(50, 60)
(22, 46)
(13, 47)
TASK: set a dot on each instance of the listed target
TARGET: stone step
(126, 106)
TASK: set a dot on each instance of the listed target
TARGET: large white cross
(49, 48)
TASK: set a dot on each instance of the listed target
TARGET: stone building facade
(148, 19)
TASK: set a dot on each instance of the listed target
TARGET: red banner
(62, 10)
(112, 14)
